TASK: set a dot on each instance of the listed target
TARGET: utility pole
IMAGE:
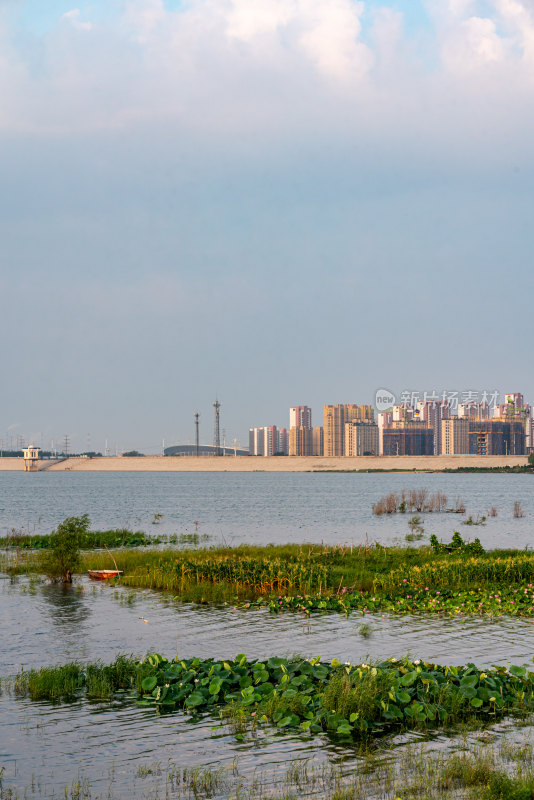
(66, 443)
(197, 445)
(217, 429)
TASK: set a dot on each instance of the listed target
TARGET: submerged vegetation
(313, 696)
(413, 500)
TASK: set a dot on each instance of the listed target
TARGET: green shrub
(64, 556)
(457, 545)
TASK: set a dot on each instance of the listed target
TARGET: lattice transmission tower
(217, 429)
(197, 440)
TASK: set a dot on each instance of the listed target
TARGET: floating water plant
(414, 600)
(314, 696)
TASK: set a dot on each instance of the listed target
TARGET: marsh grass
(350, 695)
(50, 683)
(247, 574)
(65, 682)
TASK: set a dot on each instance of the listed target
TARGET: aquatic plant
(119, 537)
(261, 574)
(50, 683)
(474, 521)
(65, 682)
(315, 696)
(457, 545)
(412, 500)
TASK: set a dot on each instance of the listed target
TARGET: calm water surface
(233, 508)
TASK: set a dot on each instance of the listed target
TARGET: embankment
(272, 464)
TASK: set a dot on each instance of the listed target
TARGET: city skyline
(424, 403)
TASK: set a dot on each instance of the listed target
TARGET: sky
(271, 202)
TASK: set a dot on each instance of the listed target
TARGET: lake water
(235, 508)
(128, 751)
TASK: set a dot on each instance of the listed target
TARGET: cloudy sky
(274, 201)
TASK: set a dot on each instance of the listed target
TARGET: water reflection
(65, 606)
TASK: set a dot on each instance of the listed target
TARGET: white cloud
(73, 17)
(518, 21)
(248, 19)
(472, 44)
(277, 69)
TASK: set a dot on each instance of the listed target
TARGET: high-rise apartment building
(454, 436)
(432, 412)
(403, 412)
(361, 438)
(384, 420)
(529, 434)
(283, 441)
(334, 429)
(318, 441)
(267, 441)
(300, 417)
(408, 440)
(271, 440)
(335, 417)
(474, 410)
(256, 441)
(300, 441)
(496, 437)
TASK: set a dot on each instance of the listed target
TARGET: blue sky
(276, 201)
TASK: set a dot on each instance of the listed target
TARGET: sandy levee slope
(12, 464)
(278, 464)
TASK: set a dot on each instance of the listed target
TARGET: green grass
(307, 577)
(50, 683)
(68, 681)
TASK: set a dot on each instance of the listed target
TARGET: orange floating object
(104, 574)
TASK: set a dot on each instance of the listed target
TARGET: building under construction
(496, 438)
